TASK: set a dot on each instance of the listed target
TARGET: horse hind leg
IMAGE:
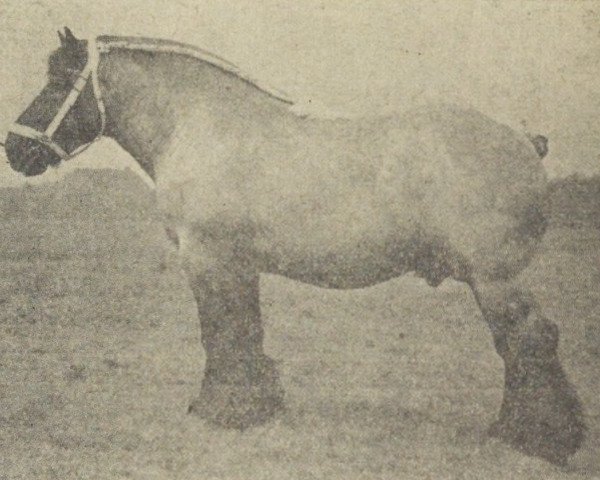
(541, 414)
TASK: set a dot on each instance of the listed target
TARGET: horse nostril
(28, 156)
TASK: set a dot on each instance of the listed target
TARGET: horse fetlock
(240, 369)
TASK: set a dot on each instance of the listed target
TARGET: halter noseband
(90, 71)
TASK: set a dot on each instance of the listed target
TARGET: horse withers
(246, 186)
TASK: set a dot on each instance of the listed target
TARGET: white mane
(107, 42)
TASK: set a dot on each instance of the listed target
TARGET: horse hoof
(553, 439)
(244, 403)
(237, 407)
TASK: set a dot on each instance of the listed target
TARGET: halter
(90, 71)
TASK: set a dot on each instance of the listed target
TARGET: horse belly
(352, 266)
(353, 246)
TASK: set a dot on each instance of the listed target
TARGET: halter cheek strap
(90, 71)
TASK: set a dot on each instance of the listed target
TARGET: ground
(100, 357)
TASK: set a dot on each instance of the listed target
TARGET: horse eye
(73, 72)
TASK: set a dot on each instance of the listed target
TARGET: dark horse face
(42, 136)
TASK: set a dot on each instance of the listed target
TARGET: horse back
(436, 178)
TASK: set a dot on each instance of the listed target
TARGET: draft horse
(249, 187)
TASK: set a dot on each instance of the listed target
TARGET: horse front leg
(241, 386)
(541, 414)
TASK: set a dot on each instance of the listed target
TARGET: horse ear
(69, 37)
(62, 38)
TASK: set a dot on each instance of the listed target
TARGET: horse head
(65, 117)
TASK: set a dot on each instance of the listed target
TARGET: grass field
(100, 356)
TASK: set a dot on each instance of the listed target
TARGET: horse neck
(147, 93)
(139, 104)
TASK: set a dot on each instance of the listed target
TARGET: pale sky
(537, 61)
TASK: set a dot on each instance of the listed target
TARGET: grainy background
(99, 341)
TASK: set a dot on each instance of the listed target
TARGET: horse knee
(515, 319)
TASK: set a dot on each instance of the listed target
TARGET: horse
(248, 186)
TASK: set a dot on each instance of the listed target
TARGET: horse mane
(157, 45)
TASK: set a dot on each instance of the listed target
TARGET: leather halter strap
(89, 72)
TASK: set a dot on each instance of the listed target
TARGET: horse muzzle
(29, 156)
